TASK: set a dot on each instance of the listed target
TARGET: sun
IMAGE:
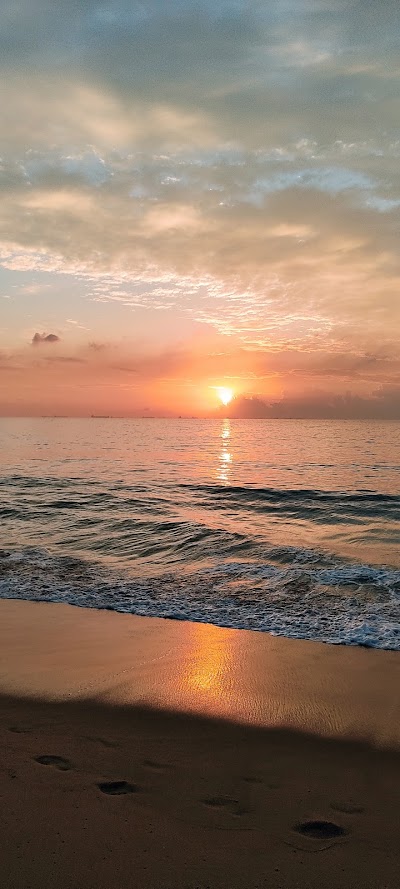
(224, 394)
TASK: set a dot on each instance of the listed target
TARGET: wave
(336, 503)
(295, 593)
(189, 525)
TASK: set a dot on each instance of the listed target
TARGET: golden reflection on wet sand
(210, 661)
(57, 651)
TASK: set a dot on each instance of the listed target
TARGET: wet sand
(145, 753)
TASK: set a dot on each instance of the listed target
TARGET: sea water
(285, 526)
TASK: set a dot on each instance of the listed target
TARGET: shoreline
(151, 754)
(62, 651)
(302, 607)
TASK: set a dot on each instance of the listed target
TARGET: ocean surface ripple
(288, 528)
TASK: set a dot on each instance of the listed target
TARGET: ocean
(284, 526)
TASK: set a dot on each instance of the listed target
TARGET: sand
(146, 753)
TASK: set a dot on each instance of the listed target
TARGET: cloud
(254, 72)
(233, 164)
(382, 404)
(65, 359)
(246, 408)
(39, 338)
(299, 253)
(122, 377)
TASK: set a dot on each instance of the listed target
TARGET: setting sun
(225, 395)
(200, 394)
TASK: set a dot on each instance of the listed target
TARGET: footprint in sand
(105, 742)
(155, 766)
(19, 729)
(57, 761)
(348, 808)
(256, 779)
(225, 803)
(320, 830)
(117, 788)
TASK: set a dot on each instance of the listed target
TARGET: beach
(140, 752)
(200, 445)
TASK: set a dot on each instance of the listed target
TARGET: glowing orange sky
(200, 196)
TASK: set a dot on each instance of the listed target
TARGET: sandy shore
(146, 753)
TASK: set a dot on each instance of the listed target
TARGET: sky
(199, 195)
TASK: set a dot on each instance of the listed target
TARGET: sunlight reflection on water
(224, 468)
(158, 493)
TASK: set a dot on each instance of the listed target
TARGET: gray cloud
(383, 404)
(261, 73)
(40, 338)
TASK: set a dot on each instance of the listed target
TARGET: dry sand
(145, 753)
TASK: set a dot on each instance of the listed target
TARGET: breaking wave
(297, 593)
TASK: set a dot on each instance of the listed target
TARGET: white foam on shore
(297, 594)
